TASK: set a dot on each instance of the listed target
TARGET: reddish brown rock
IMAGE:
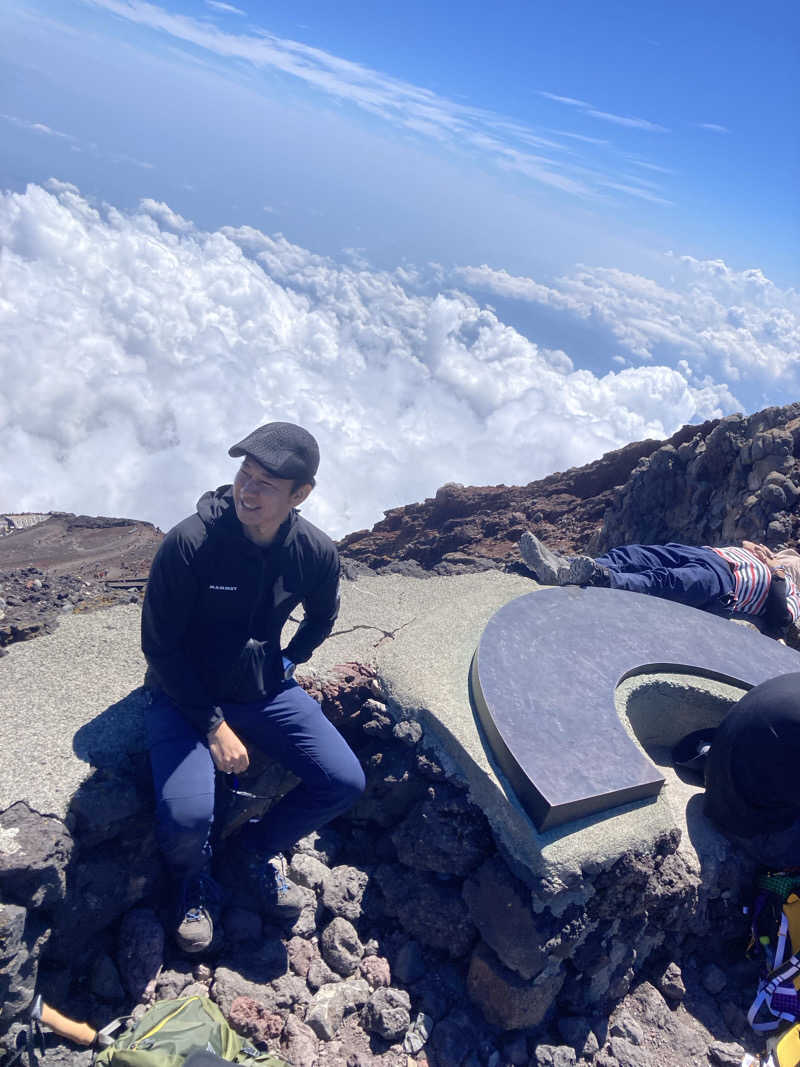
(254, 1020)
(300, 952)
(376, 970)
(343, 691)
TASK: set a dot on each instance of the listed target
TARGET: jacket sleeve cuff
(296, 653)
(203, 719)
(215, 719)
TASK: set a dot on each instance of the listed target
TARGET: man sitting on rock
(222, 585)
(750, 582)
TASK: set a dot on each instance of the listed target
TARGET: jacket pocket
(255, 674)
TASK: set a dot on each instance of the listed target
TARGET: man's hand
(227, 751)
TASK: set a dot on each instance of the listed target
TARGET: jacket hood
(216, 504)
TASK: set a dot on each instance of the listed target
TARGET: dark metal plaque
(543, 680)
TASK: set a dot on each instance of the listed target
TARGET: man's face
(262, 500)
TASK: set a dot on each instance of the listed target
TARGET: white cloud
(165, 216)
(639, 191)
(412, 109)
(625, 120)
(229, 9)
(582, 137)
(736, 325)
(605, 116)
(36, 127)
(713, 126)
(652, 166)
(570, 100)
(135, 349)
(48, 131)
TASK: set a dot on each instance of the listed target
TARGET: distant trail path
(92, 547)
(70, 563)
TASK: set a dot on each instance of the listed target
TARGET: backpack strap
(766, 997)
(783, 937)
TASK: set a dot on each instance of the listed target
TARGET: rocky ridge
(716, 483)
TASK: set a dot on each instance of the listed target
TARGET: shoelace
(205, 891)
(281, 880)
(269, 875)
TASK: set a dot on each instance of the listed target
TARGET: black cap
(286, 450)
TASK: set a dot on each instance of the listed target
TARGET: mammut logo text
(225, 588)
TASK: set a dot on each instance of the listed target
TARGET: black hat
(286, 450)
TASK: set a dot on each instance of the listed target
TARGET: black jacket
(216, 604)
(752, 784)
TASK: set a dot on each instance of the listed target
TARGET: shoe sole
(539, 559)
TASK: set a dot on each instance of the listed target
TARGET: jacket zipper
(163, 1022)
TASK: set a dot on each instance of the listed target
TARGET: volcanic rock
(388, 1013)
(341, 948)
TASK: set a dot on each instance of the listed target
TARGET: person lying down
(749, 582)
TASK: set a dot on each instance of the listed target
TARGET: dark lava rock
(22, 937)
(432, 912)
(388, 1013)
(343, 890)
(444, 833)
(34, 853)
(453, 1039)
(341, 948)
(511, 930)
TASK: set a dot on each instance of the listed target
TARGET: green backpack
(172, 1029)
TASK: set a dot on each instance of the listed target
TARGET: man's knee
(353, 782)
(189, 816)
(346, 784)
(183, 826)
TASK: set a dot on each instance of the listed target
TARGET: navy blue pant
(693, 576)
(290, 728)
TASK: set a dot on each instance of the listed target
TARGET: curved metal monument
(543, 680)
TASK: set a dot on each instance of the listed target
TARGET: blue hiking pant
(292, 729)
(693, 576)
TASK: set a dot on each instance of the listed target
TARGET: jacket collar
(227, 524)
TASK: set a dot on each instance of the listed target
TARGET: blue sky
(644, 127)
(580, 213)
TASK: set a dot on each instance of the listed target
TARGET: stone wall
(739, 481)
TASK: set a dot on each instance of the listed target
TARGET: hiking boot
(551, 568)
(197, 903)
(268, 881)
(583, 570)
